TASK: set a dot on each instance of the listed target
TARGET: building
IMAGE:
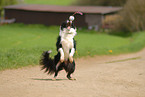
(55, 15)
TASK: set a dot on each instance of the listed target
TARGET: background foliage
(132, 17)
(101, 2)
(5, 3)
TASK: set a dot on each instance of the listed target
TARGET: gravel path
(99, 76)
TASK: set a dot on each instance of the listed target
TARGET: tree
(132, 17)
(5, 3)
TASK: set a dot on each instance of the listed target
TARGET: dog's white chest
(67, 41)
(67, 44)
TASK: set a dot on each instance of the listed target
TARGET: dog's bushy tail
(47, 63)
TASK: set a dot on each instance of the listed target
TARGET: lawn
(50, 2)
(22, 45)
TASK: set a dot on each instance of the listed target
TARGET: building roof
(68, 9)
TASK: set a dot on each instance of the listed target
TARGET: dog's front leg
(61, 55)
(61, 58)
(71, 55)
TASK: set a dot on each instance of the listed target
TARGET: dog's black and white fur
(66, 47)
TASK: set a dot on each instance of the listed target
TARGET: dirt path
(100, 76)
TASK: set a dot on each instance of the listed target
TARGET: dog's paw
(53, 79)
(61, 59)
(72, 78)
(71, 59)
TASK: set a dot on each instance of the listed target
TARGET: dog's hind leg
(70, 69)
(61, 58)
(69, 77)
(56, 71)
(55, 75)
(59, 67)
(54, 78)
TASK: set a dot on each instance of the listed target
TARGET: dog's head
(67, 27)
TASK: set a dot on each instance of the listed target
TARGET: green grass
(22, 45)
(50, 2)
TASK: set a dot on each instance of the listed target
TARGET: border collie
(66, 47)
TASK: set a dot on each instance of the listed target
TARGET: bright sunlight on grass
(22, 45)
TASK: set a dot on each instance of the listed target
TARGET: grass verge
(22, 45)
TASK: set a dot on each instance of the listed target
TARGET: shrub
(132, 17)
(109, 20)
(101, 2)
